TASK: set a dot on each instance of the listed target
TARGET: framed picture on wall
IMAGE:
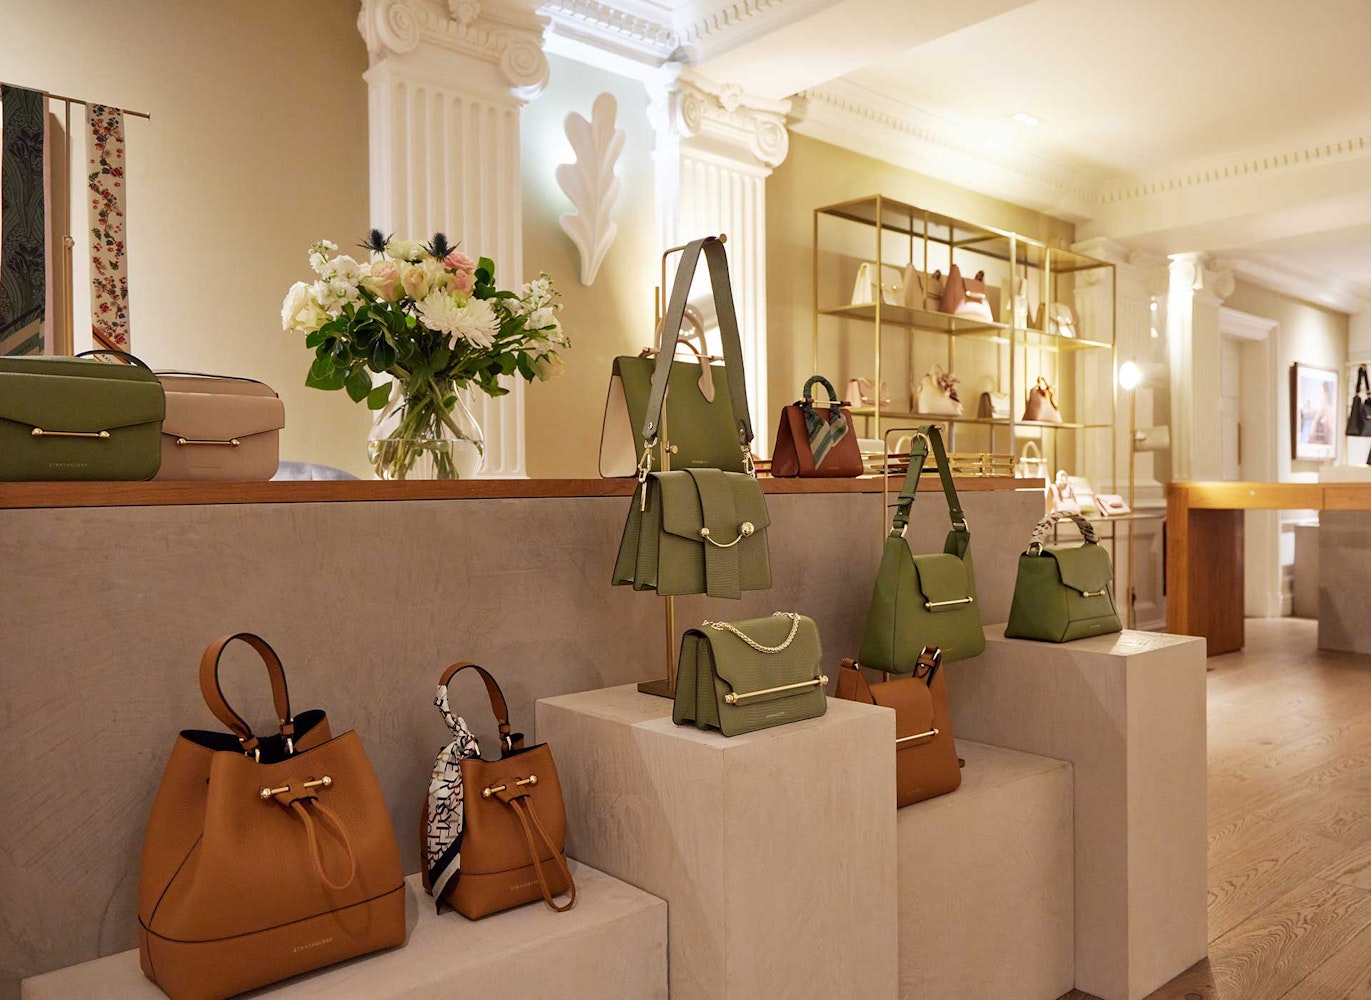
(1313, 413)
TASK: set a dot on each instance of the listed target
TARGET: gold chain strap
(794, 631)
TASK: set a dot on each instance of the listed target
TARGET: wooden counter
(1204, 548)
(21, 495)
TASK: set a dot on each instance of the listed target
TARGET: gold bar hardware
(930, 605)
(745, 530)
(38, 432)
(231, 442)
(1093, 593)
(733, 697)
(324, 782)
(916, 736)
(486, 793)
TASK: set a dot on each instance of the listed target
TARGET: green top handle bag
(923, 600)
(1063, 592)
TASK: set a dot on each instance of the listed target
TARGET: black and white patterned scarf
(443, 838)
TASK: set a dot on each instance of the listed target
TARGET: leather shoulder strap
(218, 704)
(926, 438)
(497, 697)
(717, 260)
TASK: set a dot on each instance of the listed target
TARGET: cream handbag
(863, 391)
(936, 394)
(219, 427)
(923, 291)
(1014, 301)
(1056, 318)
(1060, 495)
(1030, 464)
(892, 285)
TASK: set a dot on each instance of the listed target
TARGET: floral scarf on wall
(109, 280)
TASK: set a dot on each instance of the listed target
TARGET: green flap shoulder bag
(739, 677)
(697, 530)
(1063, 592)
(923, 600)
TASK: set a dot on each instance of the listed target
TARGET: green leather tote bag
(1063, 592)
(923, 600)
(697, 530)
(79, 419)
(739, 677)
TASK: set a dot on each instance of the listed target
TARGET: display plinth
(611, 944)
(775, 851)
(1128, 712)
(986, 882)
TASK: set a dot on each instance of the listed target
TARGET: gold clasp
(230, 443)
(38, 432)
(916, 736)
(486, 793)
(745, 530)
(930, 605)
(732, 698)
(324, 782)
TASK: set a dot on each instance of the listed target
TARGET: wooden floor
(1289, 823)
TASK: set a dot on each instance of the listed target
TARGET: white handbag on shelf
(1030, 464)
(862, 392)
(936, 394)
(892, 285)
(1085, 495)
(1057, 318)
(1061, 497)
(1014, 301)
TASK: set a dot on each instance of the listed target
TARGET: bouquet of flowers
(432, 319)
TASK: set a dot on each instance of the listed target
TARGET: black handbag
(1358, 420)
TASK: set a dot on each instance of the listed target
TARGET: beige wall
(257, 147)
(614, 315)
(816, 174)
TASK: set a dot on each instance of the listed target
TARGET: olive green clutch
(923, 600)
(739, 677)
(1063, 592)
(77, 419)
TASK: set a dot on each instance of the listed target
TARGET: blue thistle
(375, 242)
(439, 246)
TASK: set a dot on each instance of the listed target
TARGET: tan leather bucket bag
(264, 857)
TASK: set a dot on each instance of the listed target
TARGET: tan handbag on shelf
(219, 427)
(264, 857)
(493, 831)
(863, 390)
(892, 288)
(923, 291)
(993, 405)
(925, 754)
(936, 394)
(1030, 464)
(1042, 403)
(966, 296)
(1056, 318)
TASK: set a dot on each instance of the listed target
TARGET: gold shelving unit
(1007, 356)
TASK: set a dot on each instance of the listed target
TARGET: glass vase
(426, 431)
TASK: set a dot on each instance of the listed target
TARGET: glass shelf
(963, 326)
(943, 418)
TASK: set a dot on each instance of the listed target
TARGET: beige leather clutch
(219, 427)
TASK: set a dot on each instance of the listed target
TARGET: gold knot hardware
(324, 782)
(486, 793)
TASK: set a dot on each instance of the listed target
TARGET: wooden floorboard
(1289, 823)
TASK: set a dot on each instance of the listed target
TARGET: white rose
(404, 250)
(300, 311)
(548, 367)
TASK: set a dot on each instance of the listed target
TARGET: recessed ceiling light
(1024, 118)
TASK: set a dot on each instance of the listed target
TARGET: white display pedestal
(1128, 712)
(775, 851)
(610, 946)
(986, 883)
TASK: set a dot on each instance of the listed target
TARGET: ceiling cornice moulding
(1315, 286)
(606, 26)
(851, 116)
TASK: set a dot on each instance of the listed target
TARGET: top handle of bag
(1039, 539)
(926, 439)
(508, 740)
(1362, 380)
(807, 393)
(110, 352)
(218, 704)
(713, 249)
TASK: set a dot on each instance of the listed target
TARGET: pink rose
(458, 261)
(384, 281)
(461, 281)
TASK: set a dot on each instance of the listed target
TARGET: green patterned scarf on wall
(23, 221)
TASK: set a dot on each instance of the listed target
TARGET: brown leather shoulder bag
(493, 831)
(264, 857)
(925, 756)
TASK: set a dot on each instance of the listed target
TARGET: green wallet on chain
(1063, 592)
(79, 419)
(738, 677)
(924, 600)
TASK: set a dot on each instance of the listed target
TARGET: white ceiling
(1137, 86)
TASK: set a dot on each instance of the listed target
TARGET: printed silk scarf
(446, 801)
(109, 279)
(23, 222)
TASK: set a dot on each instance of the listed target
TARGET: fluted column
(1196, 289)
(446, 83)
(715, 148)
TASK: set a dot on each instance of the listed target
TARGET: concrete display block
(775, 851)
(1128, 712)
(611, 944)
(986, 883)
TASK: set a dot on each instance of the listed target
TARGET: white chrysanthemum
(320, 254)
(409, 250)
(473, 320)
(333, 295)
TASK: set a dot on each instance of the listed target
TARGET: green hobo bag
(924, 600)
(738, 677)
(1063, 592)
(698, 530)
